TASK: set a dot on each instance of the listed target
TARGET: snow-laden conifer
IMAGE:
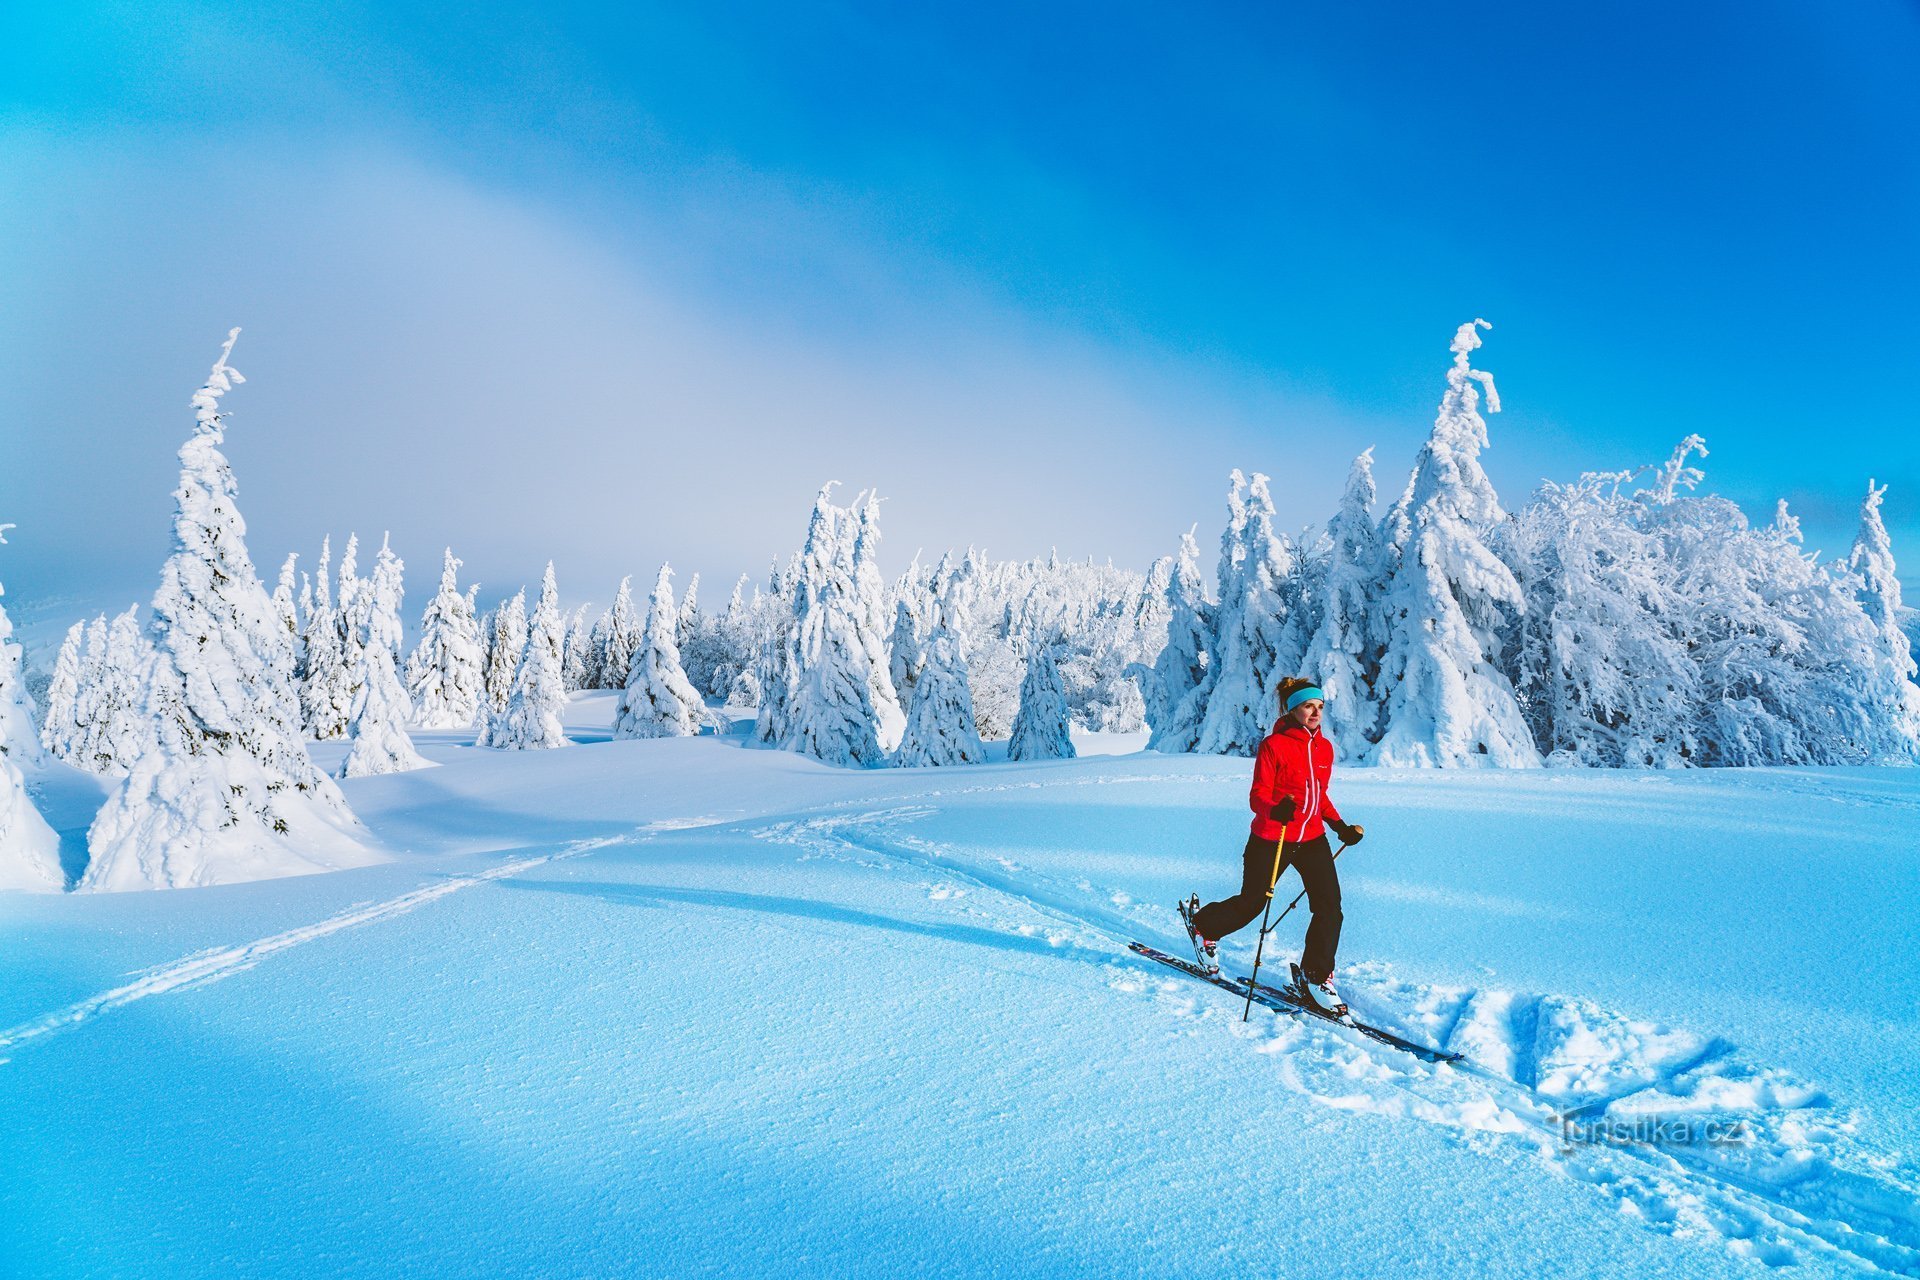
(347, 606)
(286, 608)
(1603, 675)
(537, 697)
(1341, 655)
(381, 707)
(324, 706)
(229, 794)
(60, 730)
(940, 721)
(1041, 730)
(687, 621)
(29, 848)
(1447, 702)
(1879, 595)
(824, 692)
(1249, 662)
(116, 729)
(19, 723)
(903, 647)
(444, 671)
(1179, 674)
(872, 622)
(619, 633)
(659, 701)
(573, 653)
(506, 645)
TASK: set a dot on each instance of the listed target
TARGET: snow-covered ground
(687, 1008)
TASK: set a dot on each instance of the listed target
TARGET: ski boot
(1321, 997)
(1205, 953)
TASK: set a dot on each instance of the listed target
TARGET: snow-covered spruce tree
(60, 731)
(620, 632)
(116, 729)
(1447, 702)
(285, 608)
(659, 701)
(323, 701)
(1879, 594)
(1341, 654)
(1178, 705)
(687, 620)
(444, 672)
(19, 727)
(824, 693)
(1041, 730)
(346, 602)
(732, 644)
(381, 708)
(229, 794)
(1250, 664)
(537, 697)
(903, 647)
(1786, 656)
(506, 644)
(29, 848)
(940, 722)
(573, 652)
(870, 605)
(1601, 673)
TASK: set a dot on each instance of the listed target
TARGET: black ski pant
(1313, 859)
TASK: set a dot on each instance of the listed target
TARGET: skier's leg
(1218, 919)
(1314, 861)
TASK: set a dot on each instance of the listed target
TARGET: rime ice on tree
(1176, 703)
(659, 701)
(59, 726)
(1447, 701)
(1251, 619)
(1601, 667)
(1879, 595)
(616, 634)
(817, 689)
(230, 793)
(1041, 730)
(506, 634)
(538, 694)
(381, 707)
(29, 849)
(1341, 655)
(324, 703)
(940, 724)
(444, 672)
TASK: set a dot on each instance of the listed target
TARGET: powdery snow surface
(683, 1007)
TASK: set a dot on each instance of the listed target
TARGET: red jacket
(1292, 762)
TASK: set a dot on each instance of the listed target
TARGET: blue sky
(623, 284)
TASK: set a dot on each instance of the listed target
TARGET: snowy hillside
(682, 1007)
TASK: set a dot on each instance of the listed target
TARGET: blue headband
(1307, 694)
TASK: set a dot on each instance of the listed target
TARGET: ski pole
(1253, 978)
(1279, 862)
(1303, 893)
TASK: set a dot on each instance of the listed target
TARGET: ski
(1271, 995)
(1217, 979)
(1281, 1002)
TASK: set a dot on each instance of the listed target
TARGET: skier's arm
(1263, 795)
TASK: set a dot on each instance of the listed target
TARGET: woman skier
(1291, 811)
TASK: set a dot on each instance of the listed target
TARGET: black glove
(1282, 812)
(1349, 833)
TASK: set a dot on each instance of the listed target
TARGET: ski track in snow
(216, 963)
(1800, 1186)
